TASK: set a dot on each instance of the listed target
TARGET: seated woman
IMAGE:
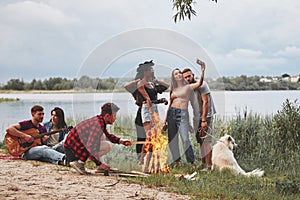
(56, 122)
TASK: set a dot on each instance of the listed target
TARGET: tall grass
(271, 142)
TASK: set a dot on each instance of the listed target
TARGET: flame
(155, 148)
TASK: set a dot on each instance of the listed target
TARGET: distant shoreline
(35, 91)
(54, 91)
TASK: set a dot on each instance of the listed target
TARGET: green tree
(14, 84)
(184, 8)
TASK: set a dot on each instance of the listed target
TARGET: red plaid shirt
(84, 139)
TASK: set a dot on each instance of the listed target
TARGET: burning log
(154, 153)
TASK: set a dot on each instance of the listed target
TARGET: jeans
(43, 153)
(178, 124)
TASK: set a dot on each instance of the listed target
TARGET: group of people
(183, 89)
(90, 139)
(87, 140)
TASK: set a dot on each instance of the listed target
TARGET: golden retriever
(222, 157)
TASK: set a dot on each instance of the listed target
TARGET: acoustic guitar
(16, 145)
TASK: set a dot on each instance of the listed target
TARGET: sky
(54, 38)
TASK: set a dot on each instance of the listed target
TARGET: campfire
(155, 149)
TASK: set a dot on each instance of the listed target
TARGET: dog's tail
(256, 172)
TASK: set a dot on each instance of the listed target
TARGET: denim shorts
(146, 116)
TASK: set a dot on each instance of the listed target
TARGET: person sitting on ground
(41, 152)
(85, 140)
(57, 121)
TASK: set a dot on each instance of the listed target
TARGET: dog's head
(228, 141)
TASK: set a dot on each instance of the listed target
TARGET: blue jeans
(43, 153)
(178, 124)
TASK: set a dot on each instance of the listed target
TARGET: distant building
(275, 79)
(265, 80)
(286, 77)
(295, 79)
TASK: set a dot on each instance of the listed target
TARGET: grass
(270, 143)
(8, 99)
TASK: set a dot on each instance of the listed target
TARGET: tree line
(239, 83)
(58, 83)
(243, 82)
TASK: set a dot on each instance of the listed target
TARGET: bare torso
(180, 97)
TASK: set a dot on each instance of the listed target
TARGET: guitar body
(16, 146)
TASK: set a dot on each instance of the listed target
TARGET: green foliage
(58, 83)
(243, 82)
(286, 130)
(184, 8)
(2, 145)
(8, 99)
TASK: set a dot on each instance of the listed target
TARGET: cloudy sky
(50, 38)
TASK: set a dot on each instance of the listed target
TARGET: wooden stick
(140, 142)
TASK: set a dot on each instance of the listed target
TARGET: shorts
(146, 116)
(202, 136)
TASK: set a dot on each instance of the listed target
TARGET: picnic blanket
(10, 157)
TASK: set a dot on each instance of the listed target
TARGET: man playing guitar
(34, 149)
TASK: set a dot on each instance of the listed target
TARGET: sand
(20, 179)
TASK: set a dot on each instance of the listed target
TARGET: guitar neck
(51, 132)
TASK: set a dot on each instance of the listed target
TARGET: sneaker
(79, 167)
(63, 161)
(207, 169)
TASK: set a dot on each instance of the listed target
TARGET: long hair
(61, 117)
(174, 82)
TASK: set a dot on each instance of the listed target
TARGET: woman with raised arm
(177, 115)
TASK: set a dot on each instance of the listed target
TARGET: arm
(14, 130)
(199, 83)
(204, 111)
(162, 83)
(142, 90)
(115, 139)
(131, 86)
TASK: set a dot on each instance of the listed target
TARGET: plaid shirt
(84, 139)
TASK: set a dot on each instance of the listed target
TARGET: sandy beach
(20, 179)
